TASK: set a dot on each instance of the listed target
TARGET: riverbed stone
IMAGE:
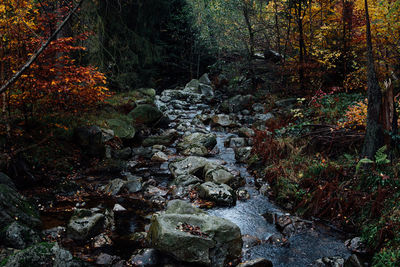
(237, 103)
(124, 153)
(221, 194)
(114, 187)
(19, 236)
(42, 254)
(85, 224)
(185, 180)
(218, 243)
(261, 262)
(159, 157)
(223, 120)
(242, 154)
(218, 174)
(166, 138)
(198, 140)
(189, 165)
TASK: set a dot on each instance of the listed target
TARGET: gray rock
(242, 154)
(192, 86)
(19, 236)
(329, 262)
(107, 134)
(42, 254)
(206, 90)
(261, 262)
(197, 140)
(221, 194)
(189, 165)
(217, 174)
(134, 184)
(159, 157)
(204, 79)
(114, 187)
(178, 206)
(356, 245)
(286, 103)
(85, 224)
(222, 120)
(167, 138)
(264, 117)
(354, 261)
(218, 242)
(90, 138)
(237, 142)
(106, 260)
(185, 180)
(195, 150)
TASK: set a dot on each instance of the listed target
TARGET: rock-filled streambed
(182, 197)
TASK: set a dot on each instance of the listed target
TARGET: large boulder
(19, 236)
(189, 165)
(122, 127)
(217, 174)
(85, 224)
(192, 86)
(145, 114)
(15, 208)
(195, 237)
(186, 95)
(197, 144)
(42, 254)
(90, 138)
(222, 120)
(221, 194)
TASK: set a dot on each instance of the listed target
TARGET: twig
(39, 51)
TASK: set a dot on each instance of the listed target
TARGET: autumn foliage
(55, 81)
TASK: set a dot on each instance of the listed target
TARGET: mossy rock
(14, 207)
(42, 254)
(145, 114)
(122, 128)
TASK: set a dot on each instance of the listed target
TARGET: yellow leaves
(356, 116)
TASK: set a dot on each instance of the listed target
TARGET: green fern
(363, 161)
(381, 156)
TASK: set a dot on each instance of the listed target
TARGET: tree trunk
(302, 47)
(374, 133)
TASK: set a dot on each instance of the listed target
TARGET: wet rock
(145, 114)
(221, 194)
(166, 139)
(218, 240)
(242, 194)
(124, 153)
(235, 142)
(90, 138)
(290, 225)
(185, 180)
(222, 120)
(42, 254)
(329, 262)
(151, 191)
(134, 184)
(287, 103)
(114, 187)
(261, 262)
(250, 241)
(189, 165)
(242, 154)
(19, 236)
(278, 240)
(85, 224)
(206, 90)
(148, 257)
(200, 140)
(102, 240)
(159, 157)
(191, 97)
(195, 150)
(265, 189)
(217, 174)
(355, 245)
(118, 208)
(106, 260)
(204, 79)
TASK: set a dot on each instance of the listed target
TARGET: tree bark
(374, 132)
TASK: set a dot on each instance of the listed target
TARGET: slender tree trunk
(374, 133)
(277, 30)
(302, 47)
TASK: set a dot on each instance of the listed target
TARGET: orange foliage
(55, 81)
